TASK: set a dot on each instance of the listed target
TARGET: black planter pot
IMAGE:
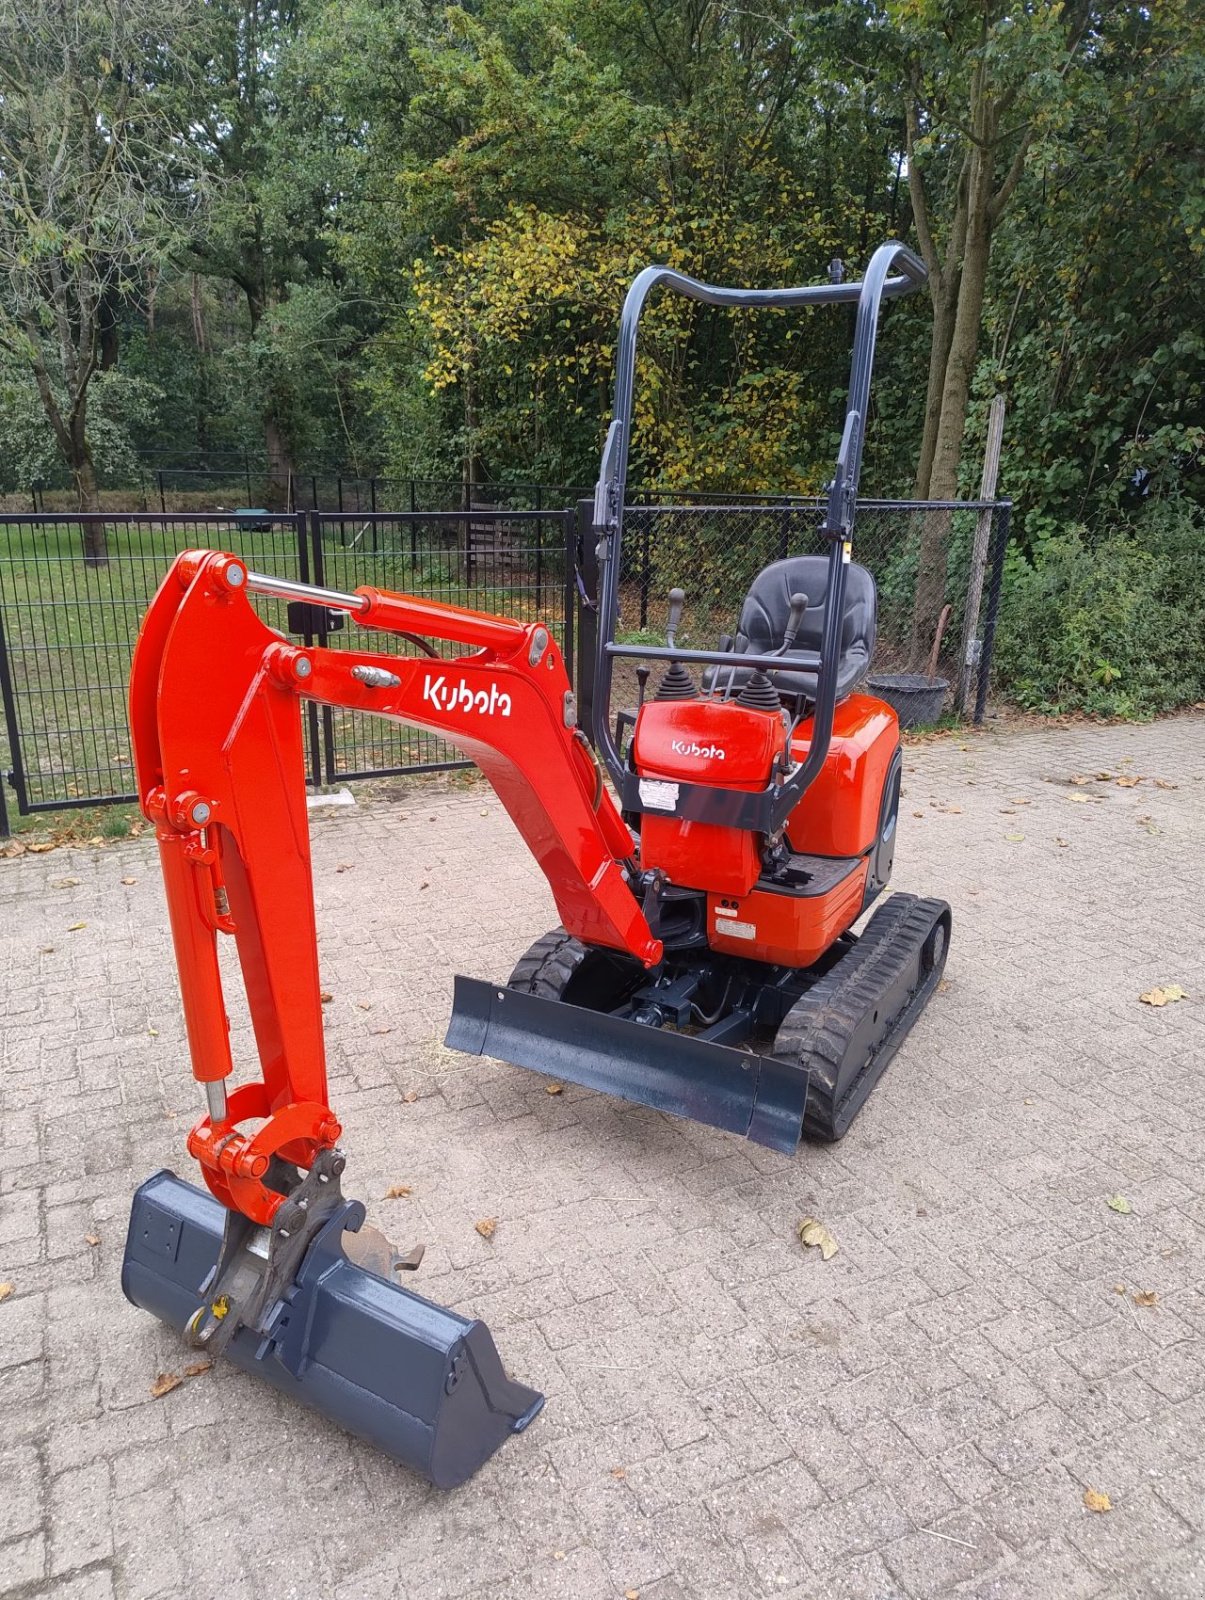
(915, 699)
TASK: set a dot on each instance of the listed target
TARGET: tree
(87, 198)
(980, 81)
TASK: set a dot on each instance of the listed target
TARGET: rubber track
(548, 965)
(817, 1030)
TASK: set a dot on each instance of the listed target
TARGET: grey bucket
(915, 699)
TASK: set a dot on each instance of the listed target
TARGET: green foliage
(1113, 625)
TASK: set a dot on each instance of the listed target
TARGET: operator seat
(767, 608)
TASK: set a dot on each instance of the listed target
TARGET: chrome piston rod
(287, 589)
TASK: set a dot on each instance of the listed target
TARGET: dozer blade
(420, 1383)
(758, 1096)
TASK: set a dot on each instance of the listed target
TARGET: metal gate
(68, 625)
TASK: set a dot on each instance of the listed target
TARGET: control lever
(676, 683)
(677, 599)
(799, 604)
(642, 683)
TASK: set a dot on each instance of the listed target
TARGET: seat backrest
(767, 607)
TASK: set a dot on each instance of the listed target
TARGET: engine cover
(703, 742)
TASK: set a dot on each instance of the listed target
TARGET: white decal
(660, 796)
(709, 752)
(738, 930)
(445, 696)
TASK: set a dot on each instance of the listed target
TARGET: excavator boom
(273, 1266)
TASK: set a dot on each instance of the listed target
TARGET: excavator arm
(214, 701)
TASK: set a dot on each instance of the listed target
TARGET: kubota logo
(446, 696)
(709, 752)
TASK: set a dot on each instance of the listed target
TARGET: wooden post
(983, 528)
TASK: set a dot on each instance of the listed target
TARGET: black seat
(767, 609)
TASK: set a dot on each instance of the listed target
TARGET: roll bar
(893, 270)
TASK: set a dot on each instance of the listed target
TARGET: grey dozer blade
(421, 1383)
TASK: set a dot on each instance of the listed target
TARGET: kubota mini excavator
(704, 965)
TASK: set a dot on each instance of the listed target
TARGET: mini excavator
(704, 964)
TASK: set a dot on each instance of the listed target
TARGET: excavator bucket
(686, 1075)
(421, 1383)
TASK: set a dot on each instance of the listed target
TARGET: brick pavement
(727, 1414)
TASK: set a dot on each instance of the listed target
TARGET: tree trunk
(280, 465)
(87, 494)
(955, 392)
(945, 305)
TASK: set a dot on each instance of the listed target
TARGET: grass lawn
(69, 628)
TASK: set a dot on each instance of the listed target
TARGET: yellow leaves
(398, 1191)
(1119, 1203)
(164, 1384)
(5, 1290)
(1145, 1297)
(814, 1235)
(487, 1227)
(554, 1088)
(1096, 1501)
(1163, 995)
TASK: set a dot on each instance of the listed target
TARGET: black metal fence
(67, 626)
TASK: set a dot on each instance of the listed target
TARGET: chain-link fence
(714, 551)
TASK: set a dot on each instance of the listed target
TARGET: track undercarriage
(772, 1052)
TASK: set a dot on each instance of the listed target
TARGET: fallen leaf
(375, 1033)
(631, 1594)
(1018, 800)
(1079, 778)
(12, 848)
(1063, 844)
(1080, 799)
(64, 883)
(345, 866)
(1029, 1100)
(1119, 1288)
(918, 813)
(197, 1368)
(46, 950)
(154, 1032)
(813, 1232)
(5, 1290)
(1104, 777)
(487, 1227)
(92, 1238)
(364, 1005)
(1164, 995)
(1145, 1297)
(398, 1191)
(39, 849)
(1014, 838)
(410, 1096)
(75, 927)
(1007, 811)
(164, 1384)
(326, 997)
(1128, 782)
(554, 1088)
(1095, 1501)
(426, 885)
(129, 882)
(1165, 783)
(619, 1472)
(1119, 1203)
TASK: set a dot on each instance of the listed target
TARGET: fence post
(1004, 510)
(14, 740)
(162, 496)
(983, 524)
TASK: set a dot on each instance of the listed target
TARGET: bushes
(1113, 624)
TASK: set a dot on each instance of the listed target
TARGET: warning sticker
(738, 930)
(658, 795)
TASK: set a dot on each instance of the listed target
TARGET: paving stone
(784, 1426)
